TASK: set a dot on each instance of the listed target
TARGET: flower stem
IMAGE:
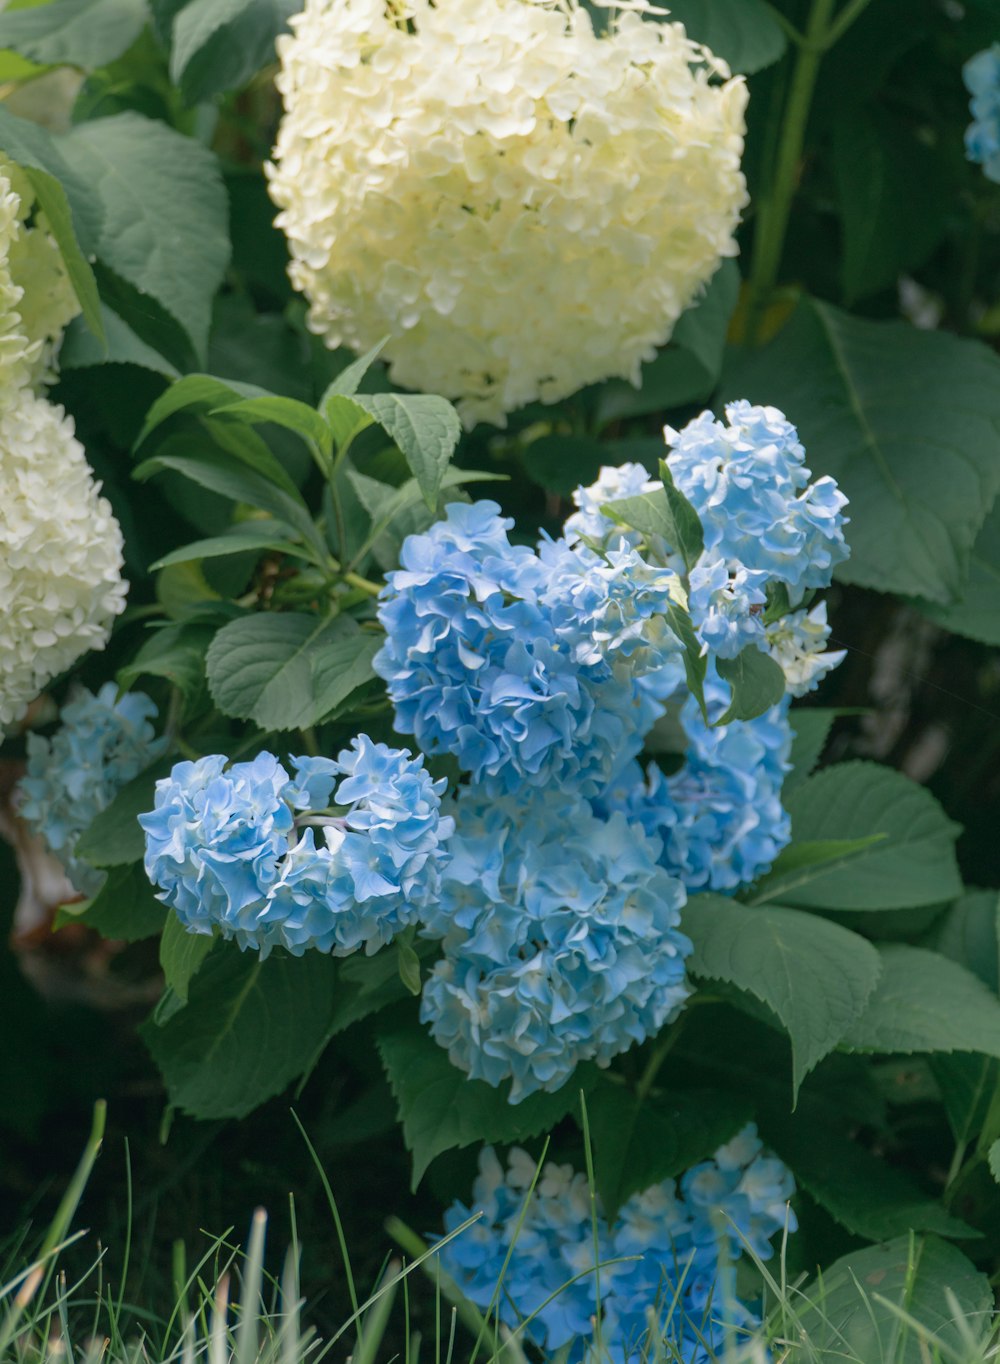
(364, 584)
(774, 210)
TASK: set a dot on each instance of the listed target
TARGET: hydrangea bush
(511, 808)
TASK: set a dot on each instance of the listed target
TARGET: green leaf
(925, 1003)
(348, 381)
(426, 429)
(894, 195)
(968, 934)
(82, 347)
(176, 652)
(114, 836)
(165, 226)
(54, 204)
(974, 613)
(666, 513)
(243, 536)
(967, 1084)
(823, 855)
(125, 908)
(852, 1311)
(810, 730)
(33, 148)
(757, 683)
(293, 415)
(219, 45)
(199, 392)
(907, 421)
(441, 1108)
(914, 864)
(409, 967)
(695, 664)
(286, 671)
(81, 33)
(864, 1194)
(689, 368)
(994, 1160)
(814, 975)
(249, 1028)
(181, 955)
(744, 33)
(639, 1142)
(561, 463)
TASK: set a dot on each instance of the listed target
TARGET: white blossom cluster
(60, 545)
(522, 206)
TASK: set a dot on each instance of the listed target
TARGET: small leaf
(219, 45)
(925, 1003)
(853, 1311)
(757, 683)
(176, 652)
(638, 1143)
(286, 671)
(293, 415)
(125, 909)
(914, 864)
(409, 968)
(181, 955)
(54, 204)
(695, 665)
(815, 975)
(243, 536)
(348, 381)
(114, 837)
(426, 429)
(441, 1108)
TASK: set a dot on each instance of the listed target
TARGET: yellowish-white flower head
(60, 552)
(522, 206)
(60, 545)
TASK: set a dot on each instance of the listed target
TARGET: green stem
(844, 20)
(659, 1054)
(773, 213)
(364, 584)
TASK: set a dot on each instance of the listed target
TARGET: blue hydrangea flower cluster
(339, 856)
(673, 1293)
(524, 666)
(101, 744)
(720, 818)
(981, 74)
(560, 937)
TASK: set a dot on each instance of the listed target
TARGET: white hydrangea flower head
(797, 643)
(60, 551)
(522, 206)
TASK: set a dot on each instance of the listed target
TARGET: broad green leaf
(165, 226)
(914, 864)
(34, 148)
(55, 205)
(968, 934)
(286, 671)
(561, 463)
(125, 908)
(967, 1084)
(756, 681)
(925, 1003)
(243, 536)
(348, 381)
(441, 1108)
(866, 1195)
(853, 1310)
(176, 652)
(689, 368)
(81, 33)
(907, 421)
(894, 195)
(745, 33)
(82, 349)
(182, 955)
(638, 1143)
(183, 590)
(293, 415)
(426, 429)
(810, 730)
(975, 613)
(219, 45)
(114, 837)
(814, 975)
(248, 1030)
(823, 855)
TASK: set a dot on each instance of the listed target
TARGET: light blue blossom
(720, 817)
(671, 1284)
(101, 744)
(981, 74)
(524, 667)
(748, 483)
(228, 852)
(726, 606)
(560, 937)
